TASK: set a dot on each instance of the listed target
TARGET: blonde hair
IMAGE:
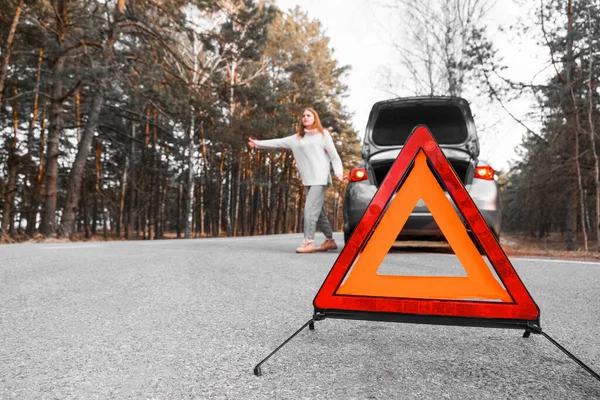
(316, 124)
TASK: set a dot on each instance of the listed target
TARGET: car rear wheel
(347, 234)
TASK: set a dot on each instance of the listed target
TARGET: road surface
(189, 319)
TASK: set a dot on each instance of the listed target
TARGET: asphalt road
(189, 319)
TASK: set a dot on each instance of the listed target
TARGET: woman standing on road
(313, 151)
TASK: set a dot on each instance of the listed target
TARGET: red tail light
(485, 172)
(358, 174)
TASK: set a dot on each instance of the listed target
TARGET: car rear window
(393, 125)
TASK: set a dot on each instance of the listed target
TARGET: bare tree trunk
(95, 216)
(254, 217)
(161, 215)
(36, 97)
(143, 181)
(7, 49)
(238, 196)
(153, 182)
(194, 213)
(571, 222)
(269, 209)
(574, 109)
(201, 219)
(220, 203)
(228, 225)
(573, 118)
(161, 192)
(32, 176)
(157, 187)
(12, 169)
(189, 200)
(76, 175)
(591, 91)
(142, 226)
(104, 218)
(86, 217)
(280, 198)
(37, 182)
(99, 179)
(205, 181)
(122, 196)
(132, 175)
(190, 175)
(233, 81)
(78, 115)
(9, 194)
(179, 209)
(55, 130)
(243, 194)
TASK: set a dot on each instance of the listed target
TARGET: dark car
(451, 123)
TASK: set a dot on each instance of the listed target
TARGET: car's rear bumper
(423, 224)
(419, 224)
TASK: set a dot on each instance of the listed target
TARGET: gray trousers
(314, 212)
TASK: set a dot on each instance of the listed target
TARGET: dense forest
(130, 118)
(555, 187)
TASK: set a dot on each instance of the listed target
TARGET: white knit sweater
(313, 153)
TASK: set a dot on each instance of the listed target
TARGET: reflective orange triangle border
(364, 291)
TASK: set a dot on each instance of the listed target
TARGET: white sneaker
(307, 247)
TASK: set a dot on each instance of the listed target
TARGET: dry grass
(38, 238)
(552, 246)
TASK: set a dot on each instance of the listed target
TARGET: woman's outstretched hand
(251, 142)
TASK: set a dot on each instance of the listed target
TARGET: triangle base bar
(529, 326)
(533, 325)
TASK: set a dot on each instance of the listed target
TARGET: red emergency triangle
(508, 301)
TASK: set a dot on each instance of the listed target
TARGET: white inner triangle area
(365, 279)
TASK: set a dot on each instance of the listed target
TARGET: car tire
(347, 234)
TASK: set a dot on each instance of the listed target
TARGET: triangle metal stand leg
(530, 329)
(310, 323)
(537, 329)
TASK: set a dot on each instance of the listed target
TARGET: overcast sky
(361, 33)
